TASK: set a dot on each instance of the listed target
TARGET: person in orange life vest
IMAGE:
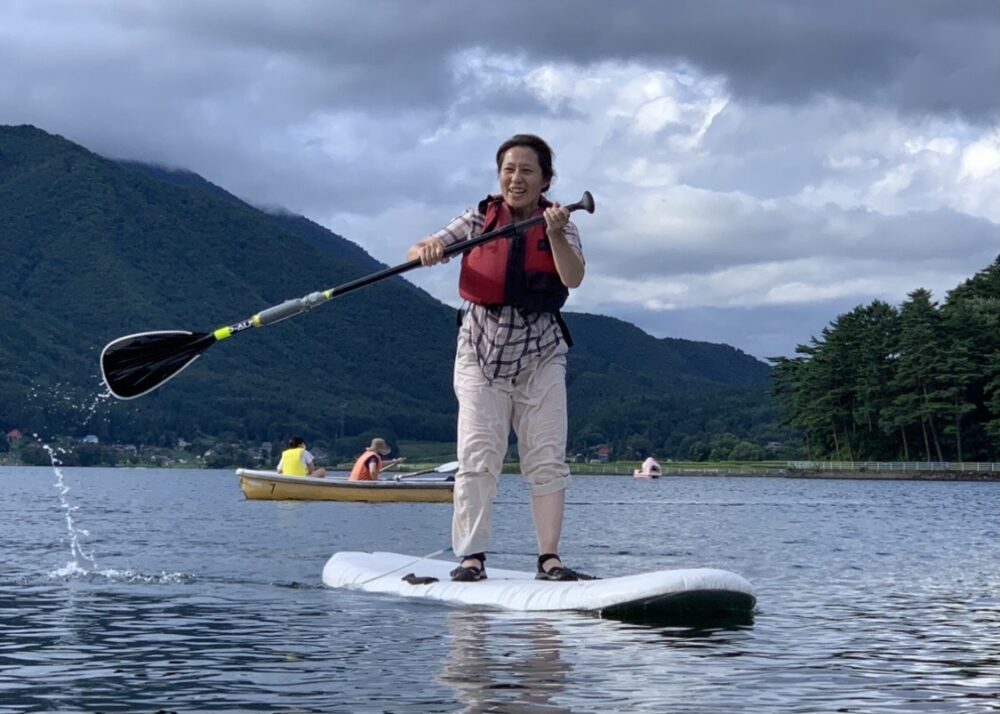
(369, 465)
(297, 461)
(510, 365)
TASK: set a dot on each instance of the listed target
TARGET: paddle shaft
(291, 308)
(136, 364)
(450, 467)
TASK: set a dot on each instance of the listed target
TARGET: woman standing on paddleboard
(510, 365)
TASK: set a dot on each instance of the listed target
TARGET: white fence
(792, 466)
(671, 470)
(971, 466)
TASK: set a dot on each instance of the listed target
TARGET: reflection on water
(492, 668)
(194, 599)
(507, 662)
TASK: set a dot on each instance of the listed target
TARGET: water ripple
(194, 599)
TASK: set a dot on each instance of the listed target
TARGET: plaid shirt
(506, 339)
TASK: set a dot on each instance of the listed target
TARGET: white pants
(534, 402)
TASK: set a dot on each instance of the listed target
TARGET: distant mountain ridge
(91, 249)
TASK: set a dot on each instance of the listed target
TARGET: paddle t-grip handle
(586, 202)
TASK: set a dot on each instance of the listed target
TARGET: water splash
(79, 555)
(67, 400)
(113, 575)
(84, 564)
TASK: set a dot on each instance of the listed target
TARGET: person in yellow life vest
(297, 461)
(369, 465)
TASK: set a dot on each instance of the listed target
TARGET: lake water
(145, 590)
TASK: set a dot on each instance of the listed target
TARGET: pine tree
(880, 381)
(920, 367)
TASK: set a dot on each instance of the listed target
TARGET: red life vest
(519, 270)
(361, 472)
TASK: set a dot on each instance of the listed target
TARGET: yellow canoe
(272, 486)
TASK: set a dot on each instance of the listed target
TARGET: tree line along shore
(916, 383)
(913, 471)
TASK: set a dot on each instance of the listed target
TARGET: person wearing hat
(297, 461)
(369, 465)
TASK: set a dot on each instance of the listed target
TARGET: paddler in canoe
(297, 461)
(369, 465)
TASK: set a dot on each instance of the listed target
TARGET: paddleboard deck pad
(664, 595)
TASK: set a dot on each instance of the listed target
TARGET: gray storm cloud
(779, 156)
(919, 56)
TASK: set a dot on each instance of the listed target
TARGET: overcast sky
(759, 166)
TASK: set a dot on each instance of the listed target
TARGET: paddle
(137, 364)
(391, 463)
(448, 468)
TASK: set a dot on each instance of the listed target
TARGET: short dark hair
(296, 441)
(541, 148)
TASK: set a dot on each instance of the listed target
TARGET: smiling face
(521, 180)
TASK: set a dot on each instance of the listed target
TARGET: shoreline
(979, 476)
(513, 469)
(988, 476)
(814, 474)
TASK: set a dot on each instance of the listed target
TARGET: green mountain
(92, 249)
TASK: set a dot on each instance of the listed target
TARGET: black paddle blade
(137, 364)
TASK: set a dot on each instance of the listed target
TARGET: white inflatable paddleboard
(696, 592)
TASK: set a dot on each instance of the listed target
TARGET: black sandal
(470, 573)
(558, 572)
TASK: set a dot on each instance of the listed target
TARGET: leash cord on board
(404, 565)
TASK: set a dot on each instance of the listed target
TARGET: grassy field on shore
(434, 455)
